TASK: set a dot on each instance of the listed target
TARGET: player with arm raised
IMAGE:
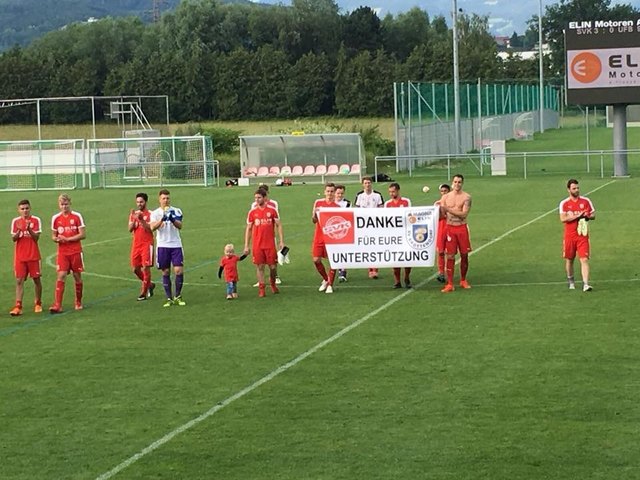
(575, 212)
(166, 221)
(456, 206)
(262, 224)
(397, 201)
(369, 198)
(142, 245)
(318, 247)
(68, 231)
(25, 233)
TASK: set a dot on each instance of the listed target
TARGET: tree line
(236, 61)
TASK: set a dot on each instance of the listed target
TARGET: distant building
(503, 42)
(524, 54)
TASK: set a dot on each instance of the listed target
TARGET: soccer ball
(425, 189)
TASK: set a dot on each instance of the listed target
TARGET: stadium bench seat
(321, 170)
(332, 169)
(250, 172)
(344, 169)
(274, 171)
(297, 170)
(286, 170)
(309, 170)
(263, 171)
(355, 169)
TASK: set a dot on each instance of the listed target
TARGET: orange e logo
(586, 67)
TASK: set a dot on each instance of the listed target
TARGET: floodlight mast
(540, 67)
(456, 79)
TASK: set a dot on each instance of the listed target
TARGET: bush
(225, 140)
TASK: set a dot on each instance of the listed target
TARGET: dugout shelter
(321, 157)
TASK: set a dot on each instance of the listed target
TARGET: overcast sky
(505, 16)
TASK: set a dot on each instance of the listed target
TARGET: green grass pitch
(517, 378)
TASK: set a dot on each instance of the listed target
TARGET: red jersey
(141, 236)
(68, 226)
(318, 238)
(230, 267)
(397, 202)
(264, 227)
(580, 204)
(27, 249)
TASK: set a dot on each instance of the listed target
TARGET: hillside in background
(22, 21)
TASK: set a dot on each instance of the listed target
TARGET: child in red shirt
(229, 265)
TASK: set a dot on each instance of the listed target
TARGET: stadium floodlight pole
(540, 66)
(456, 79)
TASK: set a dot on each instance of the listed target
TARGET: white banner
(380, 237)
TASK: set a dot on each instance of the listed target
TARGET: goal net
(153, 161)
(42, 164)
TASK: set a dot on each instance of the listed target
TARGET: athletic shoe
(16, 311)
(261, 292)
(464, 284)
(408, 285)
(373, 274)
(397, 285)
(323, 286)
(78, 306)
(587, 288)
(256, 285)
(275, 289)
(142, 297)
(168, 303)
(37, 308)
(329, 289)
(572, 285)
(152, 287)
(278, 281)
(342, 279)
(447, 288)
(234, 295)
(441, 278)
(179, 301)
(229, 297)
(55, 308)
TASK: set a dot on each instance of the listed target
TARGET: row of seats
(299, 170)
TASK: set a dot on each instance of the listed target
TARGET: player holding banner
(397, 201)
(575, 212)
(318, 247)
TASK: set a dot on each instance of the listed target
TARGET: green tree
(403, 33)
(311, 88)
(362, 31)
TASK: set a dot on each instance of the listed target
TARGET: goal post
(42, 164)
(152, 161)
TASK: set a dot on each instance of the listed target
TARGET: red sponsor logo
(338, 227)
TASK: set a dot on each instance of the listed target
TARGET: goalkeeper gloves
(283, 256)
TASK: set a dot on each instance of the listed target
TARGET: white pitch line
(292, 363)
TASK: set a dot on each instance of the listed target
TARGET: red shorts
(441, 240)
(319, 250)
(457, 240)
(70, 263)
(265, 256)
(142, 256)
(27, 269)
(575, 245)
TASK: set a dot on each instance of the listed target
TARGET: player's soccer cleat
(55, 308)
(78, 306)
(16, 311)
(278, 281)
(441, 278)
(447, 288)
(408, 285)
(256, 285)
(142, 297)
(572, 286)
(168, 303)
(152, 287)
(342, 278)
(229, 297)
(397, 285)
(464, 284)
(37, 308)
(587, 288)
(261, 292)
(274, 288)
(179, 301)
(234, 295)
(323, 286)
(329, 289)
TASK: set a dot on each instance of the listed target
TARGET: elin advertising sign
(603, 61)
(379, 237)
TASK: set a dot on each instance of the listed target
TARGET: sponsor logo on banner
(419, 229)
(339, 228)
